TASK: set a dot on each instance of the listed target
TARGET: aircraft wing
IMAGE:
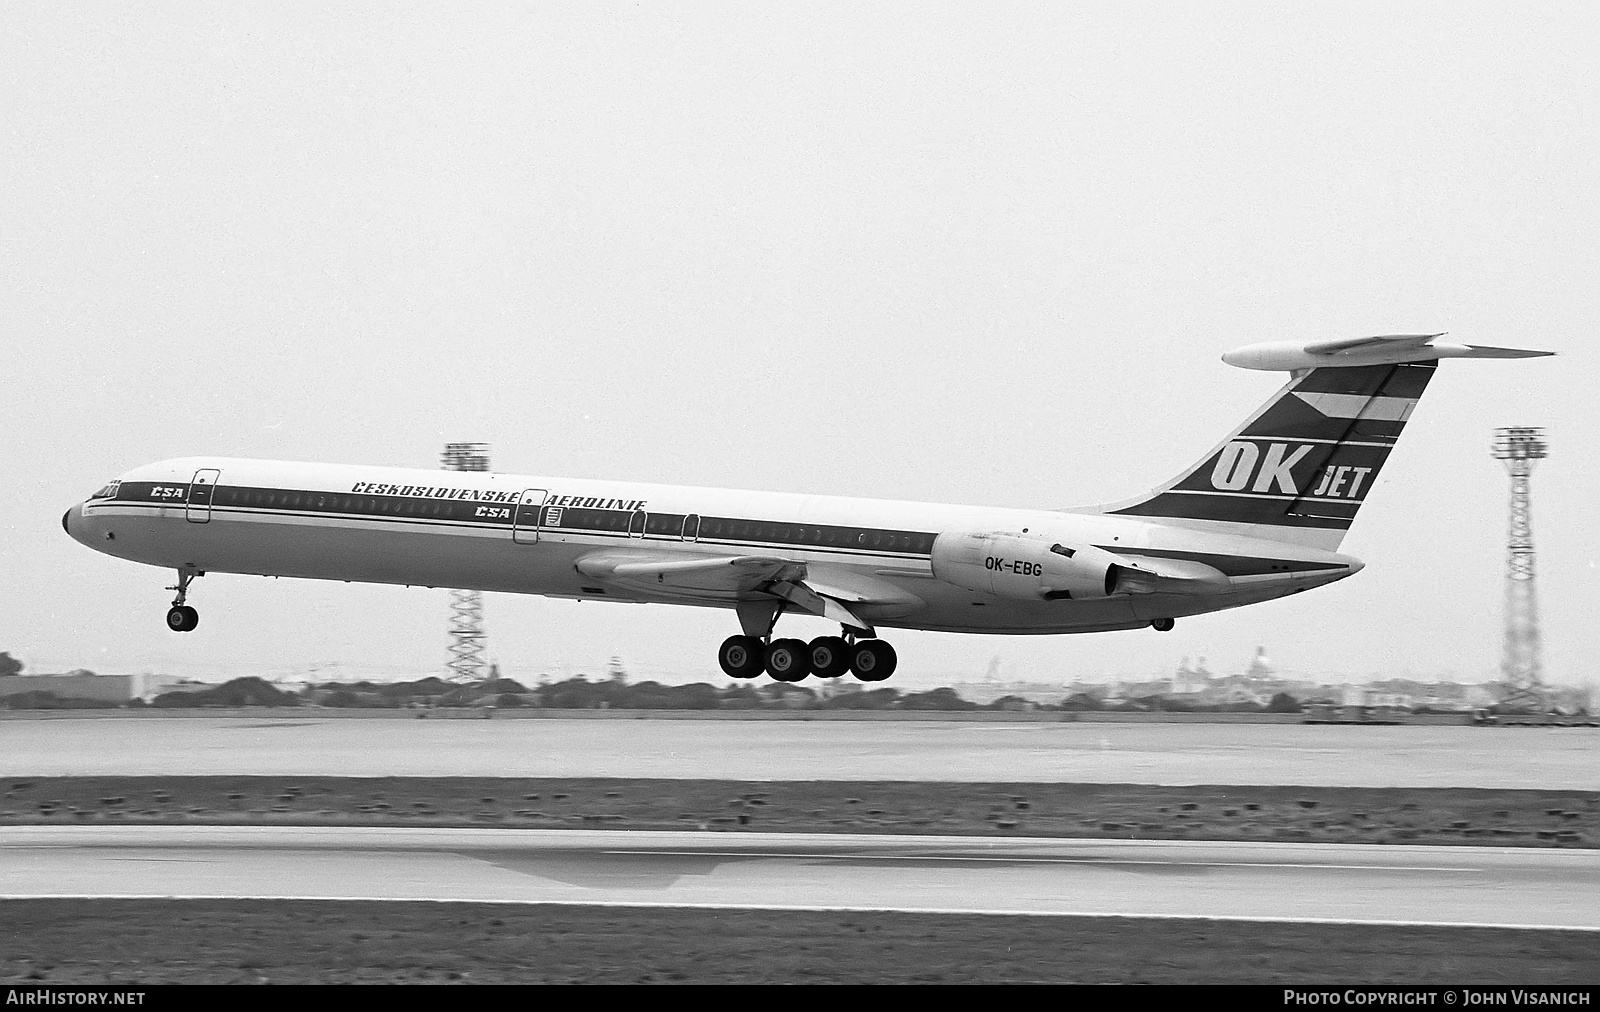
(714, 574)
(838, 597)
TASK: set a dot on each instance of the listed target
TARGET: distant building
(833, 687)
(1366, 695)
(1260, 669)
(1241, 694)
(82, 684)
(1016, 703)
(986, 692)
(74, 685)
(148, 686)
(1191, 678)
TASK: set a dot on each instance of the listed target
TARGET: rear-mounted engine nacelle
(1027, 568)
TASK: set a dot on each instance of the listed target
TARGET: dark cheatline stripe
(714, 529)
(1240, 508)
(1407, 379)
(164, 493)
(1229, 565)
(1292, 418)
(574, 520)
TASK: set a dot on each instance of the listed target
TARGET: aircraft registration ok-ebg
(1259, 517)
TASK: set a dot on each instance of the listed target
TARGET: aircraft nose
(72, 523)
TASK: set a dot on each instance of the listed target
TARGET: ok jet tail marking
(1299, 468)
(1237, 462)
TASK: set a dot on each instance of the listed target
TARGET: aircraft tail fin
(1300, 467)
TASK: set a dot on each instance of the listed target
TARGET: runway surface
(1171, 754)
(1344, 883)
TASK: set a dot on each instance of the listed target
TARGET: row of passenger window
(337, 503)
(693, 527)
(689, 527)
(805, 534)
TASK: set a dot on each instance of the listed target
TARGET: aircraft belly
(952, 609)
(480, 560)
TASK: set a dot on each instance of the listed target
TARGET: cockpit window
(108, 491)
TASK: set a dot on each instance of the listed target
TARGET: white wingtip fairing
(1293, 356)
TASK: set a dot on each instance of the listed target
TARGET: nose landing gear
(181, 617)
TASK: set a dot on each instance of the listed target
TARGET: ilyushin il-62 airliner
(1259, 517)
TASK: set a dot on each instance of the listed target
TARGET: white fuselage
(527, 535)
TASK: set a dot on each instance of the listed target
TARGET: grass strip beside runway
(1454, 816)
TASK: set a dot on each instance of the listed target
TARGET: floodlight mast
(1521, 666)
(467, 636)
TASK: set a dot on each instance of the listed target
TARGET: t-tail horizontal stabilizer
(1299, 468)
(1392, 349)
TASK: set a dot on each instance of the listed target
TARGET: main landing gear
(790, 660)
(181, 617)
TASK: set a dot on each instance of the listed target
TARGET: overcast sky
(980, 253)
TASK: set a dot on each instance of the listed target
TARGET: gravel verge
(1457, 816)
(311, 942)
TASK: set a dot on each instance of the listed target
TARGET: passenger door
(525, 522)
(197, 510)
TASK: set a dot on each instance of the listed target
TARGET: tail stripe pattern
(1307, 458)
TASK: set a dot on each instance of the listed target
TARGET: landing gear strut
(181, 617)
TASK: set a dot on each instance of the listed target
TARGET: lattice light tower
(1520, 665)
(466, 606)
